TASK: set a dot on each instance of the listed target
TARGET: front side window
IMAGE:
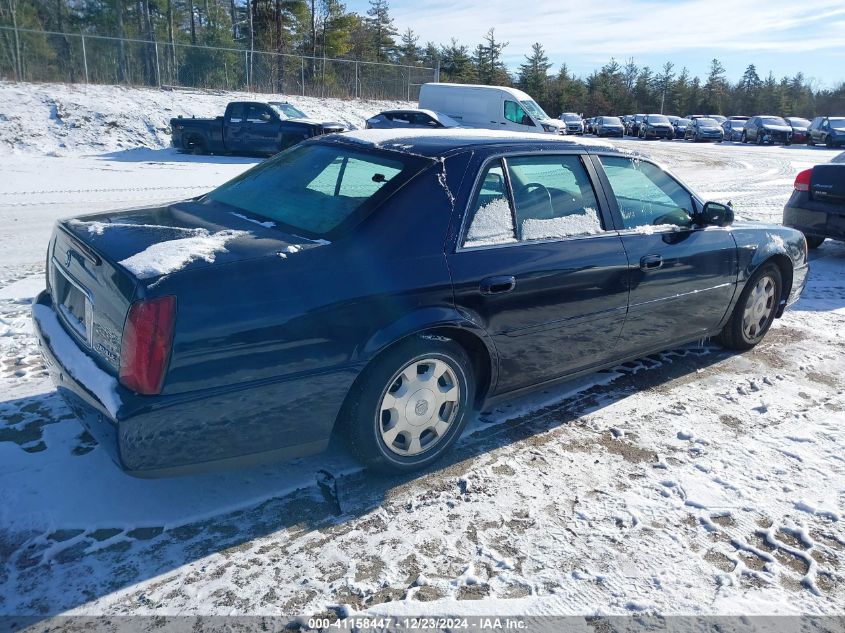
(313, 188)
(491, 218)
(646, 195)
(553, 197)
(515, 114)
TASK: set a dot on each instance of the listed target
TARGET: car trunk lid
(827, 183)
(99, 264)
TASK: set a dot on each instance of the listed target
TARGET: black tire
(362, 416)
(198, 147)
(828, 141)
(733, 335)
(810, 141)
(814, 241)
(759, 139)
(743, 138)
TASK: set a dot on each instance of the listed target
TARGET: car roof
(441, 142)
(409, 111)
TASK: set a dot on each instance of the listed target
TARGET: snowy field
(692, 482)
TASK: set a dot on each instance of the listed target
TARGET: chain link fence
(47, 56)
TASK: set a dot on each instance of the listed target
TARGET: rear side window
(313, 188)
(646, 195)
(553, 197)
(491, 215)
(236, 113)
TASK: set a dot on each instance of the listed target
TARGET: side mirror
(265, 116)
(716, 214)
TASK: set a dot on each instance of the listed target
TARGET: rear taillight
(802, 180)
(147, 339)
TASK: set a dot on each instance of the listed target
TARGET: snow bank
(62, 119)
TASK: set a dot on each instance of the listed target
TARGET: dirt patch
(427, 594)
(368, 569)
(504, 470)
(725, 520)
(823, 379)
(473, 592)
(719, 560)
(752, 561)
(629, 452)
(794, 563)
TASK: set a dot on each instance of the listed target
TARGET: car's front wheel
(410, 405)
(756, 309)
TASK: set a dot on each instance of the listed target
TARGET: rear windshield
(571, 117)
(611, 120)
(313, 188)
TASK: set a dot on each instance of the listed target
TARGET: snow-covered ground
(692, 482)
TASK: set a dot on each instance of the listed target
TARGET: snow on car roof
(436, 142)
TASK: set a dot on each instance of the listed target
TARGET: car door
(681, 276)
(536, 267)
(752, 129)
(236, 126)
(263, 129)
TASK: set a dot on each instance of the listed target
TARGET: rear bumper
(814, 218)
(201, 431)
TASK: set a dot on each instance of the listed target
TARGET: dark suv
(767, 129)
(828, 131)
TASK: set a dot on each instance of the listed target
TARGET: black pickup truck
(248, 127)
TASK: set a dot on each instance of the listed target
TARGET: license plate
(74, 305)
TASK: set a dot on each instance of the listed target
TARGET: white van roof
(514, 92)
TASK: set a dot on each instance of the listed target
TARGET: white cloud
(625, 29)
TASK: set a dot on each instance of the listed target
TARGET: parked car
(608, 126)
(817, 205)
(589, 125)
(703, 129)
(732, 129)
(634, 125)
(799, 128)
(680, 127)
(491, 107)
(387, 286)
(248, 127)
(767, 129)
(828, 131)
(411, 118)
(656, 126)
(573, 122)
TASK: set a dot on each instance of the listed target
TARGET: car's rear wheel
(198, 147)
(814, 241)
(756, 309)
(410, 405)
(828, 141)
(810, 141)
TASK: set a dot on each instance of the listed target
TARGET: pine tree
(533, 73)
(488, 61)
(409, 52)
(715, 88)
(382, 29)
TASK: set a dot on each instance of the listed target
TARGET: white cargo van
(491, 107)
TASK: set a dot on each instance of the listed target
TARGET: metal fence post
(302, 76)
(84, 57)
(246, 68)
(437, 72)
(356, 91)
(158, 66)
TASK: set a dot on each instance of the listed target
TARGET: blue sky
(778, 35)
